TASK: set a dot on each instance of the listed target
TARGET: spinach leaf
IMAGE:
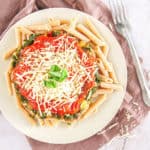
(56, 33)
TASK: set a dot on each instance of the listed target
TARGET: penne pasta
(113, 75)
(92, 28)
(61, 27)
(102, 68)
(105, 50)
(110, 86)
(40, 27)
(106, 79)
(18, 37)
(8, 54)
(73, 23)
(100, 99)
(24, 30)
(9, 84)
(89, 34)
(48, 122)
(104, 60)
(54, 22)
(102, 91)
(76, 34)
(64, 22)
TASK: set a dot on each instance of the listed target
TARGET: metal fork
(123, 27)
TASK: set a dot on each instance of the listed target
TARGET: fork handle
(139, 71)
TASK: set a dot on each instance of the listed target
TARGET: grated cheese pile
(65, 55)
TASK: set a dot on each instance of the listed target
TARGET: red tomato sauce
(60, 109)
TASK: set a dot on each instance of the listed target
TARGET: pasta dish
(59, 71)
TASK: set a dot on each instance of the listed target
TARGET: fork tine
(113, 11)
(124, 11)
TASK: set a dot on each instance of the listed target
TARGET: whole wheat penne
(90, 35)
(102, 68)
(99, 100)
(54, 121)
(8, 78)
(48, 122)
(61, 27)
(111, 86)
(24, 30)
(105, 50)
(43, 27)
(113, 75)
(18, 37)
(102, 91)
(92, 28)
(9, 53)
(77, 34)
(105, 79)
(54, 22)
(64, 22)
(73, 23)
(103, 59)
(9, 84)
(24, 37)
(40, 121)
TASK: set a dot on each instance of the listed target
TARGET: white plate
(85, 128)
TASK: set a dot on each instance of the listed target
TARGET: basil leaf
(54, 74)
(55, 68)
(50, 83)
(64, 75)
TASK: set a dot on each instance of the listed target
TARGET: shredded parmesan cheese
(65, 55)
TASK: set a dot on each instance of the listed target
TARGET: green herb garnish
(55, 74)
(56, 33)
(50, 83)
(90, 93)
(30, 41)
(97, 78)
(23, 99)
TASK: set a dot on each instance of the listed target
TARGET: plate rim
(80, 13)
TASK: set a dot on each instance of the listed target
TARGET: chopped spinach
(56, 33)
(68, 117)
(44, 115)
(30, 41)
(97, 78)
(87, 47)
(23, 99)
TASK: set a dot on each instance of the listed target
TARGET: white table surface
(139, 16)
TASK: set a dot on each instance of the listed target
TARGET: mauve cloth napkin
(132, 110)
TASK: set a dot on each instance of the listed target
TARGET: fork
(122, 26)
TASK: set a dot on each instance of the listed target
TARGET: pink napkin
(132, 110)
